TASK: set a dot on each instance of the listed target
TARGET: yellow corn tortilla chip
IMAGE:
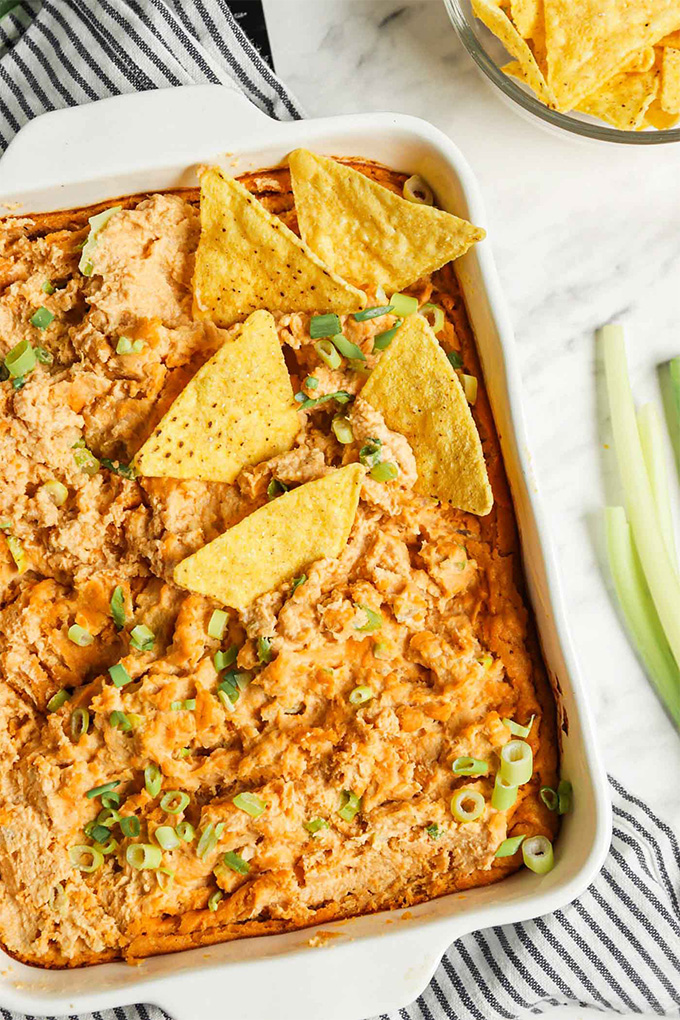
(624, 100)
(587, 42)
(238, 409)
(526, 16)
(367, 233)
(276, 542)
(673, 39)
(659, 119)
(669, 95)
(248, 259)
(641, 60)
(501, 26)
(419, 395)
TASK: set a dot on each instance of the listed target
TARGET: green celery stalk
(639, 612)
(661, 578)
(649, 425)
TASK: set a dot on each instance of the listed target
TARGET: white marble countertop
(582, 233)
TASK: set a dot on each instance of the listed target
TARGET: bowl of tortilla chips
(603, 69)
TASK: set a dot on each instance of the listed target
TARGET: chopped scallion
(188, 705)
(264, 649)
(416, 189)
(516, 729)
(565, 796)
(222, 660)
(360, 695)
(350, 805)
(97, 791)
(185, 831)
(433, 831)
(549, 798)
(373, 622)
(372, 313)
(250, 803)
(297, 581)
(404, 304)
(465, 766)
(85, 858)
(342, 429)
(383, 340)
(79, 636)
(328, 354)
(21, 359)
(517, 762)
(110, 799)
(47, 287)
(119, 721)
(218, 624)
(100, 833)
(537, 852)
(118, 607)
(504, 794)
(434, 315)
(384, 472)
(311, 383)
(108, 816)
(129, 826)
(56, 491)
(174, 802)
(470, 386)
(342, 397)
(166, 837)
(323, 326)
(467, 805)
(57, 700)
(41, 318)
(97, 224)
(80, 723)
(85, 459)
(141, 856)
(43, 356)
(455, 359)
(509, 846)
(124, 470)
(208, 839)
(119, 675)
(347, 348)
(315, 825)
(369, 454)
(214, 900)
(142, 638)
(236, 862)
(153, 779)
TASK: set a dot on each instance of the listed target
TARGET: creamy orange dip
(454, 655)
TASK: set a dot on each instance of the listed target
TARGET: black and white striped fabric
(617, 948)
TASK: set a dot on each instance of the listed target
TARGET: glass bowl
(489, 54)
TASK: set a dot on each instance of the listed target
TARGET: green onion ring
(218, 624)
(185, 831)
(214, 900)
(130, 826)
(141, 856)
(459, 809)
(466, 766)
(360, 695)
(416, 189)
(80, 723)
(85, 858)
(550, 798)
(166, 837)
(57, 700)
(504, 794)
(372, 313)
(384, 472)
(509, 846)
(174, 802)
(315, 825)
(537, 852)
(250, 803)
(404, 304)
(236, 862)
(517, 762)
(328, 354)
(153, 780)
(350, 805)
(324, 326)
(437, 314)
(565, 797)
(516, 729)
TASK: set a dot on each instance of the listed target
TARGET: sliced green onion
(21, 359)
(174, 802)
(296, 582)
(47, 287)
(80, 723)
(509, 846)
(324, 325)
(250, 803)
(119, 721)
(328, 354)
(214, 900)
(315, 825)
(222, 660)
(118, 607)
(549, 797)
(227, 697)
(142, 638)
(97, 791)
(382, 650)
(467, 805)
(41, 319)
(85, 460)
(188, 705)
(350, 805)
(236, 862)
(97, 224)
(138, 346)
(208, 839)
(108, 816)
(153, 779)
(167, 837)
(374, 620)
(124, 345)
(218, 624)
(369, 454)
(659, 572)
(264, 649)
(465, 766)
(19, 382)
(381, 341)
(347, 348)
(119, 675)
(85, 858)
(142, 856)
(185, 831)
(100, 833)
(640, 612)
(360, 695)
(164, 878)
(416, 189)
(649, 426)
(109, 847)
(565, 796)
(17, 552)
(56, 491)
(537, 852)
(124, 470)
(183, 752)
(384, 472)
(433, 831)
(403, 305)
(43, 356)
(311, 383)
(276, 488)
(110, 799)
(516, 729)
(455, 359)
(517, 762)
(437, 314)
(342, 429)
(79, 636)
(504, 794)
(342, 397)
(130, 826)
(372, 313)
(57, 700)
(470, 386)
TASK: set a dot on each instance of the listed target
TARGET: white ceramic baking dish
(377, 963)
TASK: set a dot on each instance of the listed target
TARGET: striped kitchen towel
(617, 948)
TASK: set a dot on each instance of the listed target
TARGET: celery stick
(649, 425)
(661, 578)
(639, 612)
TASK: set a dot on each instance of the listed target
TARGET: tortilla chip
(248, 259)
(673, 39)
(624, 100)
(659, 119)
(367, 233)
(501, 26)
(276, 542)
(419, 395)
(641, 60)
(238, 409)
(587, 42)
(526, 16)
(669, 95)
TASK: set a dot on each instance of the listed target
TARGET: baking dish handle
(149, 129)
